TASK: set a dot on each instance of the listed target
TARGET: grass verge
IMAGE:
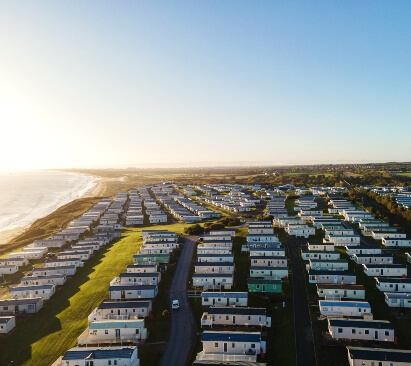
(43, 337)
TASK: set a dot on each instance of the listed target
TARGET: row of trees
(197, 229)
(386, 208)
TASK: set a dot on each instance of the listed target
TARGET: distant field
(352, 175)
(42, 338)
(294, 174)
(408, 174)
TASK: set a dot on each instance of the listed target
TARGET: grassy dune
(44, 227)
(42, 338)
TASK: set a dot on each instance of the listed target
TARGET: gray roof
(138, 274)
(34, 287)
(331, 273)
(264, 281)
(57, 275)
(99, 353)
(124, 304)
(5, 319)
(28, 300)
(340, 286)
(225, 294)
(280, 257)
(380, 354)
(392, 280)
(131, 287)
(369, 324)
(214, 255)
(236, 310)
(141, 265)
(53, 268)
(268, 268)
(385, 265)
(213, 264)
(110, 324)
(226, 275)
(398, 295)
(231, 336)
(356, 304)
(371, 255)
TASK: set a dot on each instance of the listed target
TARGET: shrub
(194, 229)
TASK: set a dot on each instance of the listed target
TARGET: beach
(7, 235)
(28, 196)
(102, 185)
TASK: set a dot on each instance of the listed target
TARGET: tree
(194, 229)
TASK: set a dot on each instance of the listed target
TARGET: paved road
(183, 330)
(303, 332)
(362, 239)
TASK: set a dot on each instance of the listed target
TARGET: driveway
(183, 330)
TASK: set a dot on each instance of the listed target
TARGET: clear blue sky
(131, 83)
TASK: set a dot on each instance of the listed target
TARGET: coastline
(97, 190)
(8, 235)
(102, 187)
(102, 184)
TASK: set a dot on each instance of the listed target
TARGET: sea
(28, 196)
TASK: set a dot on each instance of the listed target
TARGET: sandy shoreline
(97, 191)
(101, 187)
(7, 235)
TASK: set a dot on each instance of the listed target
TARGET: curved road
(183, 330)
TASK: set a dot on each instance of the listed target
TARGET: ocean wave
(26, 198)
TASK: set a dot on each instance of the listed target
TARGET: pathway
(183, 330)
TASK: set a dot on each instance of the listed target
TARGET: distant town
(223, 267)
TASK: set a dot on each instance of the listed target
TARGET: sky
(96, 84)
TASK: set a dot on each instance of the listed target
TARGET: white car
(175, 304)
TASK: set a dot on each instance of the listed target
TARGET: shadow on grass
(16, 349)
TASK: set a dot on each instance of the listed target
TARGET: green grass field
(43, 337)
(408, 174)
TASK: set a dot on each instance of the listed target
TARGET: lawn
(42, 338)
